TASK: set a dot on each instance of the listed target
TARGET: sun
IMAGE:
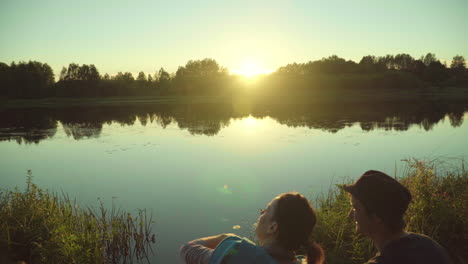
(250, 68)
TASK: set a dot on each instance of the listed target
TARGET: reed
(37, 226)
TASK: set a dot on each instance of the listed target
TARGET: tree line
(206, 77)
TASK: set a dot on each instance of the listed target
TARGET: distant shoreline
(454, 94)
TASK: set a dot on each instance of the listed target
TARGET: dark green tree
(436, 73)
(368, 64)
(31, 79)
(417, 67)
(336, 65)
(93, 73)
(458, 62)
(386, 62)
(402, 62)
(4, 78)
(163, 79)
(429, 58)
(201, 68)
(141, 77)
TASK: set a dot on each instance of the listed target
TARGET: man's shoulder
(413, 241)
(414, 248)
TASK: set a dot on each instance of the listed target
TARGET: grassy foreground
(439, 209)
(37, 226)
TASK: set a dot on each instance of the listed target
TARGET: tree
(163, 78)
(293, 69)
(368, 63)
(429, 58)
(163, 75)
(4, 78)
(141, 77)
(417, 67)
(458, 62)
(83, 72)
(201, 68)
(403, 62)
(75, 72)
(458, 68)
(63, 74)
(368, 60)
(31, 79)
(435, 73)
(93, 73)
(386, 62)
(127, 77)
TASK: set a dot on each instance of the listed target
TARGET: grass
(37, 226)
(439, 209)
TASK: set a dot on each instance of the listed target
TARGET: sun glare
(250, 69)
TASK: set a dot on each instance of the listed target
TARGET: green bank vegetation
(37, 226)
(439, 209)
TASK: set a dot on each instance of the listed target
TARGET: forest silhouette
(206, 77)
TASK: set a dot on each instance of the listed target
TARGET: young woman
(282, 229)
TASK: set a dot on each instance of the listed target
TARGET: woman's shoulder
(240, 250)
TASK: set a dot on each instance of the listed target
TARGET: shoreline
(458, 95)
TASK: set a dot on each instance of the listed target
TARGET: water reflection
(34, 125)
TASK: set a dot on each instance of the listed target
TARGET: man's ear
(272, 228)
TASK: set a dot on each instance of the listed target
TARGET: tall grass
(37, 226)
(439, 209)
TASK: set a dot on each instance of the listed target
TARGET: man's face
(365, 223)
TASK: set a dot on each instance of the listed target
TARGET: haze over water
(202, 169)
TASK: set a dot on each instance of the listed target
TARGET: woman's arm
(199, 251)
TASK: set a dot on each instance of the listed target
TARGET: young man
(379, 203)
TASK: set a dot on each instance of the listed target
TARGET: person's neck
(383, 238)
(277, 251)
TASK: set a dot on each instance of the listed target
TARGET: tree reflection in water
(33, 125)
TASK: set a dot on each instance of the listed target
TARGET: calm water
(202, 169)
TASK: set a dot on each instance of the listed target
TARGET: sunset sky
(146, 35)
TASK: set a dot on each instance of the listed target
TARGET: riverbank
(47, 229)
(254, 96)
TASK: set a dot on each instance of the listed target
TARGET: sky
(144, 35)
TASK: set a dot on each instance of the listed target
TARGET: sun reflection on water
(249, 122)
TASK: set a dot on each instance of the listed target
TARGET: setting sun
(250, 68)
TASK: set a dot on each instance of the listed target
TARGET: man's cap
(381, 194)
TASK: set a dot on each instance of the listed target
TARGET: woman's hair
(296, 219)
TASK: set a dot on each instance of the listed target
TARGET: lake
(202, 169)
